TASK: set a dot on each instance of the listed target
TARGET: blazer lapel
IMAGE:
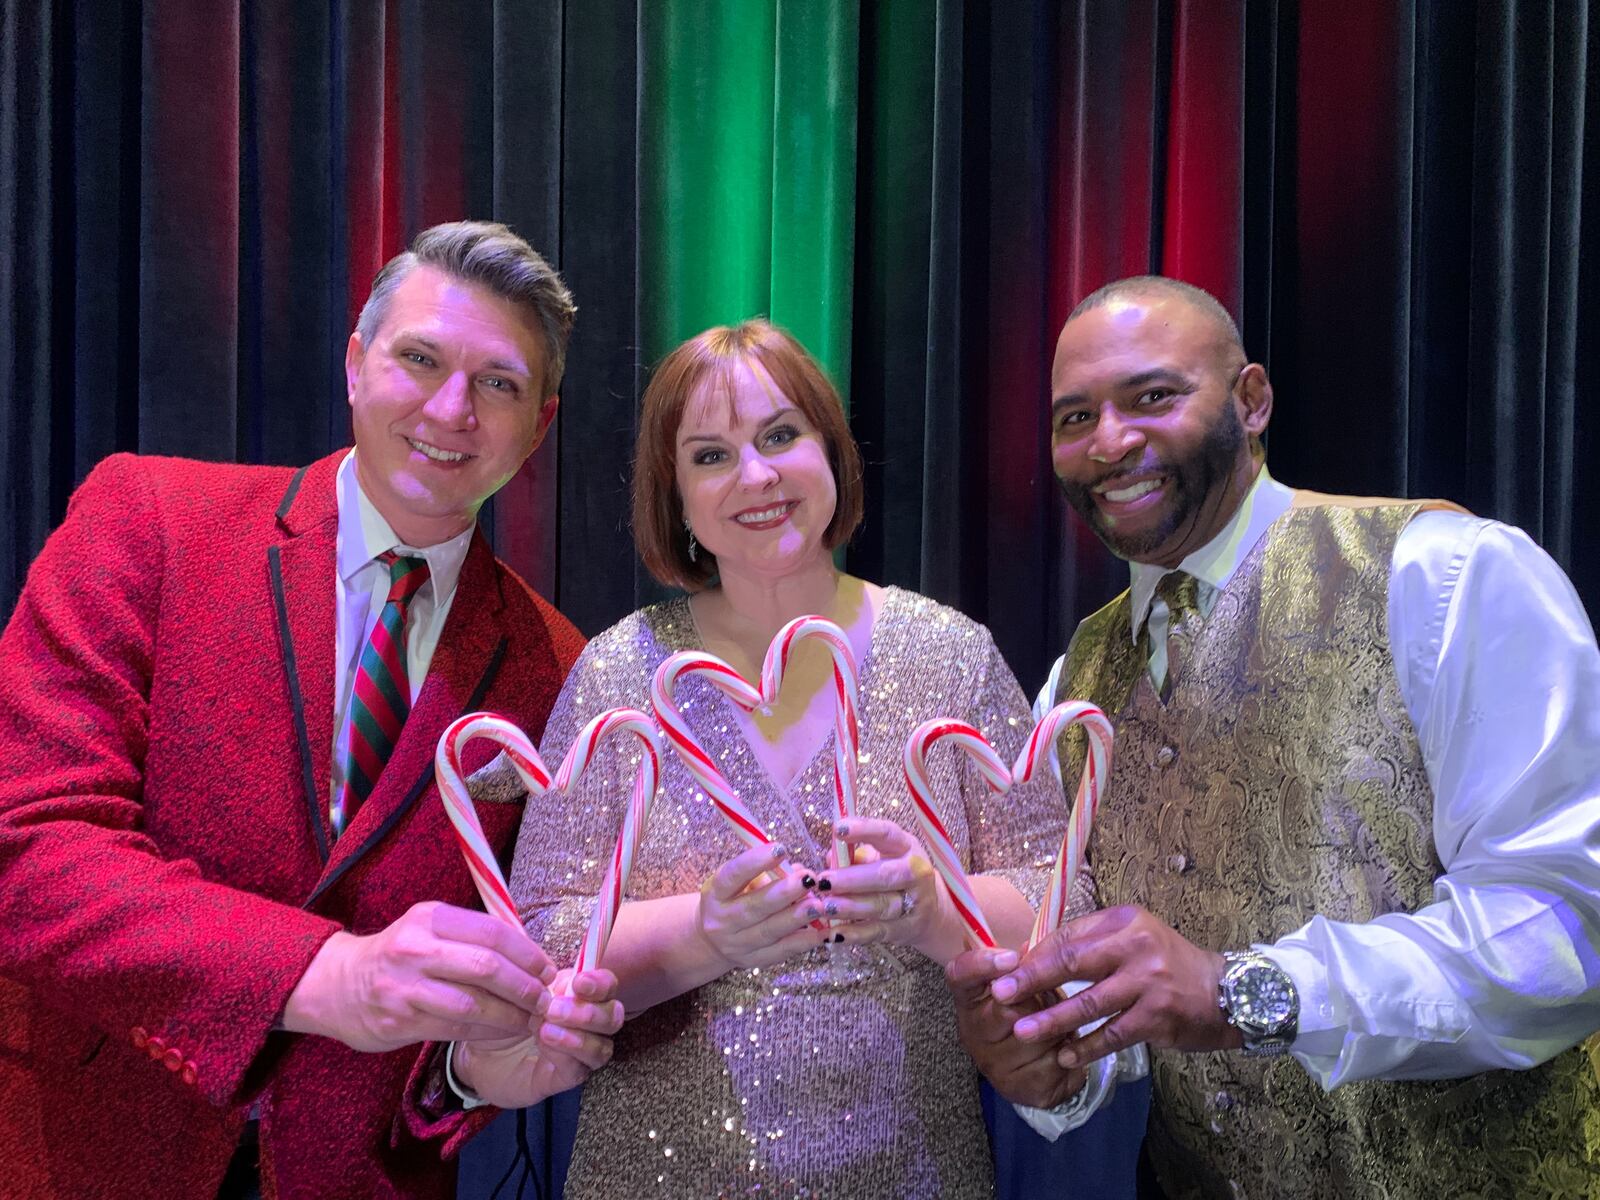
(301, 573)
(463, 668)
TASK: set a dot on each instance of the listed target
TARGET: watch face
(1262, 1000)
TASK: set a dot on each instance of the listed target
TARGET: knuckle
(1062, 958)
(1090, 1008)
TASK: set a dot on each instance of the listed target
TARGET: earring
(694, 546)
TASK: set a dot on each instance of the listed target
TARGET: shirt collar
(364, 534)
(1215, 562)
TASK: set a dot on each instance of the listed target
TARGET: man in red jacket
(230, 899)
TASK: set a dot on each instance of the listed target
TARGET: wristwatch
(1258, 998)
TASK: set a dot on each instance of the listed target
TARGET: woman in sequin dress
(757, 1059)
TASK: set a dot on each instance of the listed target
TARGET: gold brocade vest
(1282, 779)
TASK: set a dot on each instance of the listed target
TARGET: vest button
(1177, 864)
(1166, 756)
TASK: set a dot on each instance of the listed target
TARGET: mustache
(1153, 467)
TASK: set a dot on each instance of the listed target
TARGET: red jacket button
(139, 1036)
(172, 1060)
(189, 1075)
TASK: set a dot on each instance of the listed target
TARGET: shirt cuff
(469, 1098)
(1051, 1123)
(1318, 1035)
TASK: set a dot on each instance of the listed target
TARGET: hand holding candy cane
(1147, 983)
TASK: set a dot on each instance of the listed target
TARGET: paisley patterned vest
(1283, 779)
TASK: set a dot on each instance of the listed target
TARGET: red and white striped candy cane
(846, 730)
(634, 821)
(530, 768)
(945, 859)
(1034, 758)
(682, 739)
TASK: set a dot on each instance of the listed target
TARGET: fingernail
(1004, 988)
(832, 908)
(808, 881)
(811, 912)
(824, 885)
(842, 829)
(1006, 960)
(1026, 1027)
(1066, 1057)
(780, 851)
(838, 937)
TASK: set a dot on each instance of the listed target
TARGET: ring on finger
(907, 903)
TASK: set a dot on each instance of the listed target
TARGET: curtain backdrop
(1389, 193)
(194, 198)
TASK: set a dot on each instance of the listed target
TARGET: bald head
(1145, 288)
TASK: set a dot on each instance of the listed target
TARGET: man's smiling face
(1151, 406)
(445, 403)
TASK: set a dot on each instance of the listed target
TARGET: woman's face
(754, 476)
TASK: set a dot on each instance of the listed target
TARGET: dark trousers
(243, 1180)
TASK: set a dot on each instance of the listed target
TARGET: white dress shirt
(1499, 672)
(362, 589)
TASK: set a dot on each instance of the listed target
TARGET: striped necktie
(381, 697)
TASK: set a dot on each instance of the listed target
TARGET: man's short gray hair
(489, 255)
(1155, 285)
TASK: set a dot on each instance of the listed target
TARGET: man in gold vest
(1349, 852)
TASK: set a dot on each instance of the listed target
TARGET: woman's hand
(573, 1038)
(750, 923)
(891, 893)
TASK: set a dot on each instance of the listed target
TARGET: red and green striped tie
(382, 694)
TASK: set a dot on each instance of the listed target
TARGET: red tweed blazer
(166, 867)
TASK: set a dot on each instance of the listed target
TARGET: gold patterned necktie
(1180, 591)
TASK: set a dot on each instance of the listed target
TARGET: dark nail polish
(807, 881)
(832, 908)
(824, 885)
(838, 937)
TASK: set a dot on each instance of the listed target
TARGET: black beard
(1201, 477)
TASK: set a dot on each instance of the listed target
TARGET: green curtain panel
(748, 170)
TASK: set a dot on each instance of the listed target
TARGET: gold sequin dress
(837, 1073)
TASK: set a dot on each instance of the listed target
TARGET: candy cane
(846, 730)
(530, 768)
(645, 781)
(688, 747)
(1085, 806)
(945, 859)
(1035, 753)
